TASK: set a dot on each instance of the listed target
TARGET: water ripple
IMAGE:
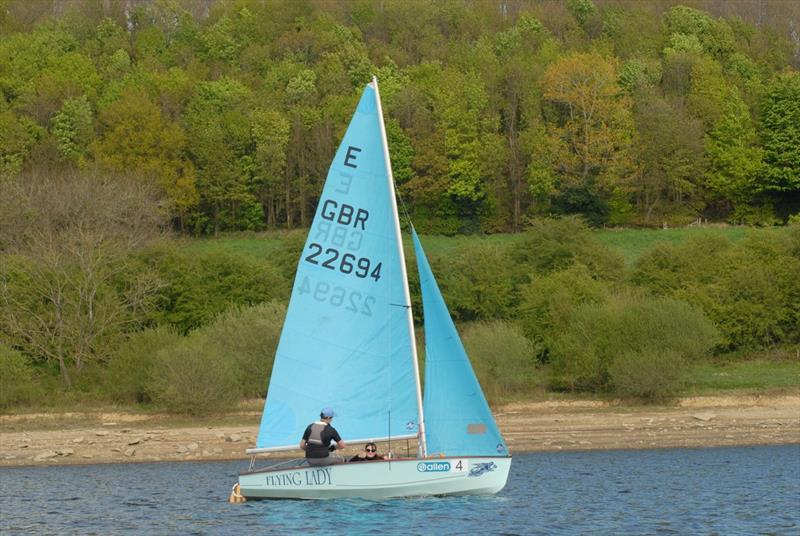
(752, 490)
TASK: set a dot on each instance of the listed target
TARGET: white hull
(380, 479)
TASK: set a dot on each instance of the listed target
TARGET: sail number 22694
(348, 263)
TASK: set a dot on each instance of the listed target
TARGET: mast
(423, 450)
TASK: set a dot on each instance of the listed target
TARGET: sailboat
(348, 342)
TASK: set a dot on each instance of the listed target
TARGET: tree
(63, 294)
(135, 136)
(17, 137)
(709, 91)
(593, 129)
(735, 157)
(270, 132)
(780, 134)
(671, 154)
(219, 134)
(73, 129)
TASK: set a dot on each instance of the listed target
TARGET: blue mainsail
(346, 340)
(458, 421)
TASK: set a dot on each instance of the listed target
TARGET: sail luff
(407, 293)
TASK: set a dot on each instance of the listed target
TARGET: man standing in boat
(317, 438)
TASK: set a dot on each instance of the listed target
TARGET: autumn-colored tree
(592, 127)
(135, 136)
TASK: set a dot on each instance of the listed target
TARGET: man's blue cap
(327, 411)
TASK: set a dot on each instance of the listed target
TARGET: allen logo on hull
(433, 467)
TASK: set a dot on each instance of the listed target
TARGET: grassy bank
(630, 243)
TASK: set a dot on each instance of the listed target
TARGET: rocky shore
(106, 437)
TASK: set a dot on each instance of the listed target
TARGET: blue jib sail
(458, 421)
(346, 340)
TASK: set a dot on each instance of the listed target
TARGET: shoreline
(553, 425)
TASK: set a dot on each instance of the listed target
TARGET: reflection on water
(749, 490)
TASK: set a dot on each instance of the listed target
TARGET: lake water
(748, 490)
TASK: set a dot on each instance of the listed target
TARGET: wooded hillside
(629, 113)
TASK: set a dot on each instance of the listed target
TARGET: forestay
(346, 340)
(458, 420)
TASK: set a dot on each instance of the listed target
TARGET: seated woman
(370, 454)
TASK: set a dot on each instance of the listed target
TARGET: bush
(749, 289)
(755, 301)
(668, 267)
(551, 245)
(503, 359)
(636, 330)
(130, 366)
(198, 287)
(547, 304)
(649, 373)
(249, 336)
(477, 282)
(193, 377)
(17, 379)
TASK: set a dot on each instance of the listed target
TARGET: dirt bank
(75, 438)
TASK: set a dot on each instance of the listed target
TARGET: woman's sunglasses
(370, 449)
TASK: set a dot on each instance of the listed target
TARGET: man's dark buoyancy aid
(318, 442)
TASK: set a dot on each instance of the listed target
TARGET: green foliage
(73, 129)
(503, 359)
(17, 379)
(239, 342)
(547, 304)
(550, 245)
(131, 366)
(473, 292)
(671, 153)
(17, 137)
(687, 21)
(667, 268)
(193, 377)
(638, 74)
(755, 300)
(780, 134)
(492, 114)
(137, 136)
(735, 157)
(249, 338)
(270, 132)
(748, 289)
(198, 287)
(613, 345)
(219, 133)
(650, 374)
